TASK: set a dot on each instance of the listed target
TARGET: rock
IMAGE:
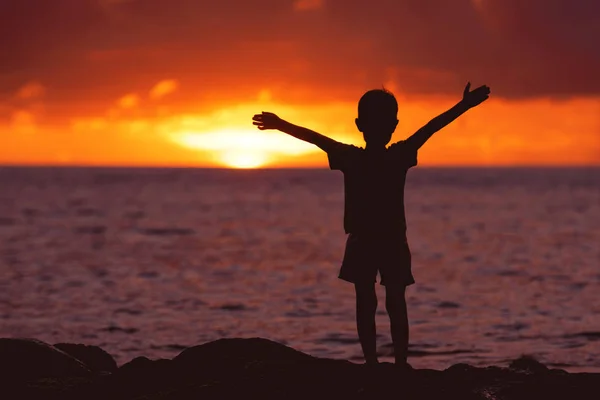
(30, 359)
(239, 352)
(260, 368)
(140, 377)
(460, 369)
(138, 363)
(144, 368)
(528, 364)
(96, 359)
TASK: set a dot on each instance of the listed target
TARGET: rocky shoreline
(258, 368)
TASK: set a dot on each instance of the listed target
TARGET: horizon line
(432, 166)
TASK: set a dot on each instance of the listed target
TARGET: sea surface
(150, 261)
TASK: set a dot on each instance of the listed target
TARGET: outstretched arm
(268, 120)
(470, 99)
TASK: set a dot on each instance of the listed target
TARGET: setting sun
(242, 147)
(241, 159)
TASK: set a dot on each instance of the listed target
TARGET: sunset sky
(176, 82)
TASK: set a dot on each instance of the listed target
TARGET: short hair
(378, 100)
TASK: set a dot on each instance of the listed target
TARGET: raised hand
(267, 120)
(475, 97)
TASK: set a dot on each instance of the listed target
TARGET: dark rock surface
(96, 359)
(27, 359)
(261, 369)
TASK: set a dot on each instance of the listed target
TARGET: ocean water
(149, 261)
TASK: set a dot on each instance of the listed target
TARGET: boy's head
(377, 117)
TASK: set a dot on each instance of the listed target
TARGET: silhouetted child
(374, 217)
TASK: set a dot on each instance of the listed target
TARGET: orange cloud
(129, 101)
(163, 88)
(84, 125)
(500, 132)
(23, 122)
(31, 90)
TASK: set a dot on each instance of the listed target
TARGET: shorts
(366, 255)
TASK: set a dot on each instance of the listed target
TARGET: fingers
(481, 89)
(259, 117)
(259, 123)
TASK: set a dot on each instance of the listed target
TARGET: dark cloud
(521, 48)
(36, 34)
(104, 48)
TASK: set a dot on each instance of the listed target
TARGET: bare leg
(395, 304)
(366, 307)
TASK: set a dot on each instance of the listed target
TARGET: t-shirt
(373, 186)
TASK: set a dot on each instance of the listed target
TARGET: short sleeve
(404, 154)
(341, 156)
